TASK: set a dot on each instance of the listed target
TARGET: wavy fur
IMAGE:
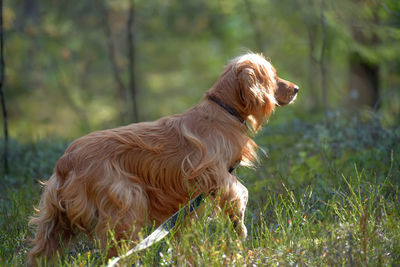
(132, 176)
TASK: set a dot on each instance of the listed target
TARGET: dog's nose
(296, 89)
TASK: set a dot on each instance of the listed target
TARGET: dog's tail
(51, 223)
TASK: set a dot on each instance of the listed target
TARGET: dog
(137, 175)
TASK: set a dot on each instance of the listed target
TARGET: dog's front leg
(233, 199)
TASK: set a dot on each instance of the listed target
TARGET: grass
(325, 195)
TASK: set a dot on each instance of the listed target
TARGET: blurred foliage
(59, 75)
(323, 187)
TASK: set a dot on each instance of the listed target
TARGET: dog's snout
(296, 89)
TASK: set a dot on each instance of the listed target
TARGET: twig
(388, 10)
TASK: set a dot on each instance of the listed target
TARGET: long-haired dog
(129, 177)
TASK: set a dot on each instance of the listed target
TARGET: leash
(162, 230)
(167, 226)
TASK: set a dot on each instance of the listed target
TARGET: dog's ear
(249, 91)
(254, 92)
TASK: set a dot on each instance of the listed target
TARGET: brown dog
(132, 176)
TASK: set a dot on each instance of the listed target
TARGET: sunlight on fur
(141, 173)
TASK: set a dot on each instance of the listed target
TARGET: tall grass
(323, 197)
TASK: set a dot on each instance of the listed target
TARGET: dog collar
(234, 166)
(229, 109)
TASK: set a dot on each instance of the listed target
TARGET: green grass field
(321, 195)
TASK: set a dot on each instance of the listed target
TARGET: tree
(322, 60)
(363, 73)
(130, 27)
(2, 95)
(124, 89)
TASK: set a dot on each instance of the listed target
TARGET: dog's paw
(242, 230)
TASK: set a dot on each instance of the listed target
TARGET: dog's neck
(229, 109)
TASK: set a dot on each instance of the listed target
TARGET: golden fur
(132, 176)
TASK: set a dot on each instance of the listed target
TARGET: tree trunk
(322, 61)
(2, 95)
(131, 55)
(312, 27)
(363, 81)
(112, 54)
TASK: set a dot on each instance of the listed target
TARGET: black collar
(228, 108)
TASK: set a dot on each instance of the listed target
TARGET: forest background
(72, 67)
(76, 66)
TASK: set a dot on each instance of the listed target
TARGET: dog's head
(251, 85)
